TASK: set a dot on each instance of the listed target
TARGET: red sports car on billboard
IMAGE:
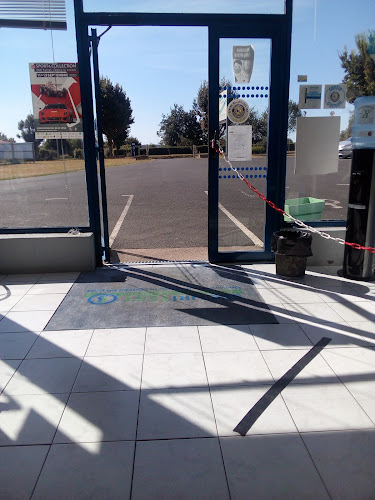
(59, 113)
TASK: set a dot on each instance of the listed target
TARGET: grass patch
(39, 168)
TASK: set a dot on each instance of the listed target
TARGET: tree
(4, 138)
(27, 129)
(359, 67)
(117, 113)
(180, 128)
(293, 113)
(200, 105)
(345, 134)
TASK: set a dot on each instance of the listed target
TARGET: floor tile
(351, 364)
(323, 407)
(118, 341)
(366, 329)
(297, 296)
(61, 344)
(163, 371)
(7, 301)
(317, 370)
(231, 404)
(281, 314)
(21, 278)
(320, 312)
(48, 302)
(345, 294)
(7, 370)
(40, 376)
(283, 336)
(226, 338)
(34, 321)
(15, 289)
(46, 288)
(364, 393)
(99, 416)
(71, 471)
(340, 335)
(356, 311)
(16, 345)
(237, 368)
(69, 277)
(109, 373)
(269, 296)
(186, 469)
(19, 470)
(172, 413)
(30, 419)
(269, 467)
(172, 339)
(345, 461)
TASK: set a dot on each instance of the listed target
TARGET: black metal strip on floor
(256, 411)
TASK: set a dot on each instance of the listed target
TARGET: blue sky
(158, 67)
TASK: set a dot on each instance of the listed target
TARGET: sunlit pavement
(149, 413)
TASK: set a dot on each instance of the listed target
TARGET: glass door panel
(244, 87)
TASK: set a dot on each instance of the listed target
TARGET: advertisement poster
(243, 62)
(335, 96)
(56, 100)
(310, 96)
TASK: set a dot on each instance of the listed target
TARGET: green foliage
(27, 129)
(359, 67)
(78, 153)
(47, 154)
(117, 114)
(345, 134)
(129, 141)
(63, 147)
(3, 137)
(293, 113)
(259, 149)
(180, 128)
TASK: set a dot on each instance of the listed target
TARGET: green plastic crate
(307, 208)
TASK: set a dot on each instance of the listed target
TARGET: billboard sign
(56, 100)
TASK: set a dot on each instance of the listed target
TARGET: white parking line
(116, 229)
(257, 242)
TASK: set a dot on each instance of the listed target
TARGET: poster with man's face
(243, 62)
(56, 99)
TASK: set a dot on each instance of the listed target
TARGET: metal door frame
(277, 27)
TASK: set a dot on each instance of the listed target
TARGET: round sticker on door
(238, 111)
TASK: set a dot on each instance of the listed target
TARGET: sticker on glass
(243, 62)
(310, 96)
(335, 96)
(238, 111)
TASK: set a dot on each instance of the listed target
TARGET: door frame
(278, 27)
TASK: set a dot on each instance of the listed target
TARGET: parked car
(56, 113)
(345, 148)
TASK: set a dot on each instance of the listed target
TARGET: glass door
(248, 104)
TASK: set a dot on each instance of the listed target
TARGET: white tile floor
(149, 413)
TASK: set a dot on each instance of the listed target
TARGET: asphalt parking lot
(163, 204)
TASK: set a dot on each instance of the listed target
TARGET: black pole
(88, 127)
(99, 126)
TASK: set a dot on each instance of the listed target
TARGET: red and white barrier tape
(296, 221)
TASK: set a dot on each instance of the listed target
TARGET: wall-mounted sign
(310, 96)
(243, 62)
(56, 99)
(240, 143)
(335, 96)
(302, 78)
(238, 111)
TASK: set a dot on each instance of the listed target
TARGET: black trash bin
(291, 249)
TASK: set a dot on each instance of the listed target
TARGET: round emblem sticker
(238, 111)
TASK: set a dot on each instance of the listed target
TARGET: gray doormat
(178, 295)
